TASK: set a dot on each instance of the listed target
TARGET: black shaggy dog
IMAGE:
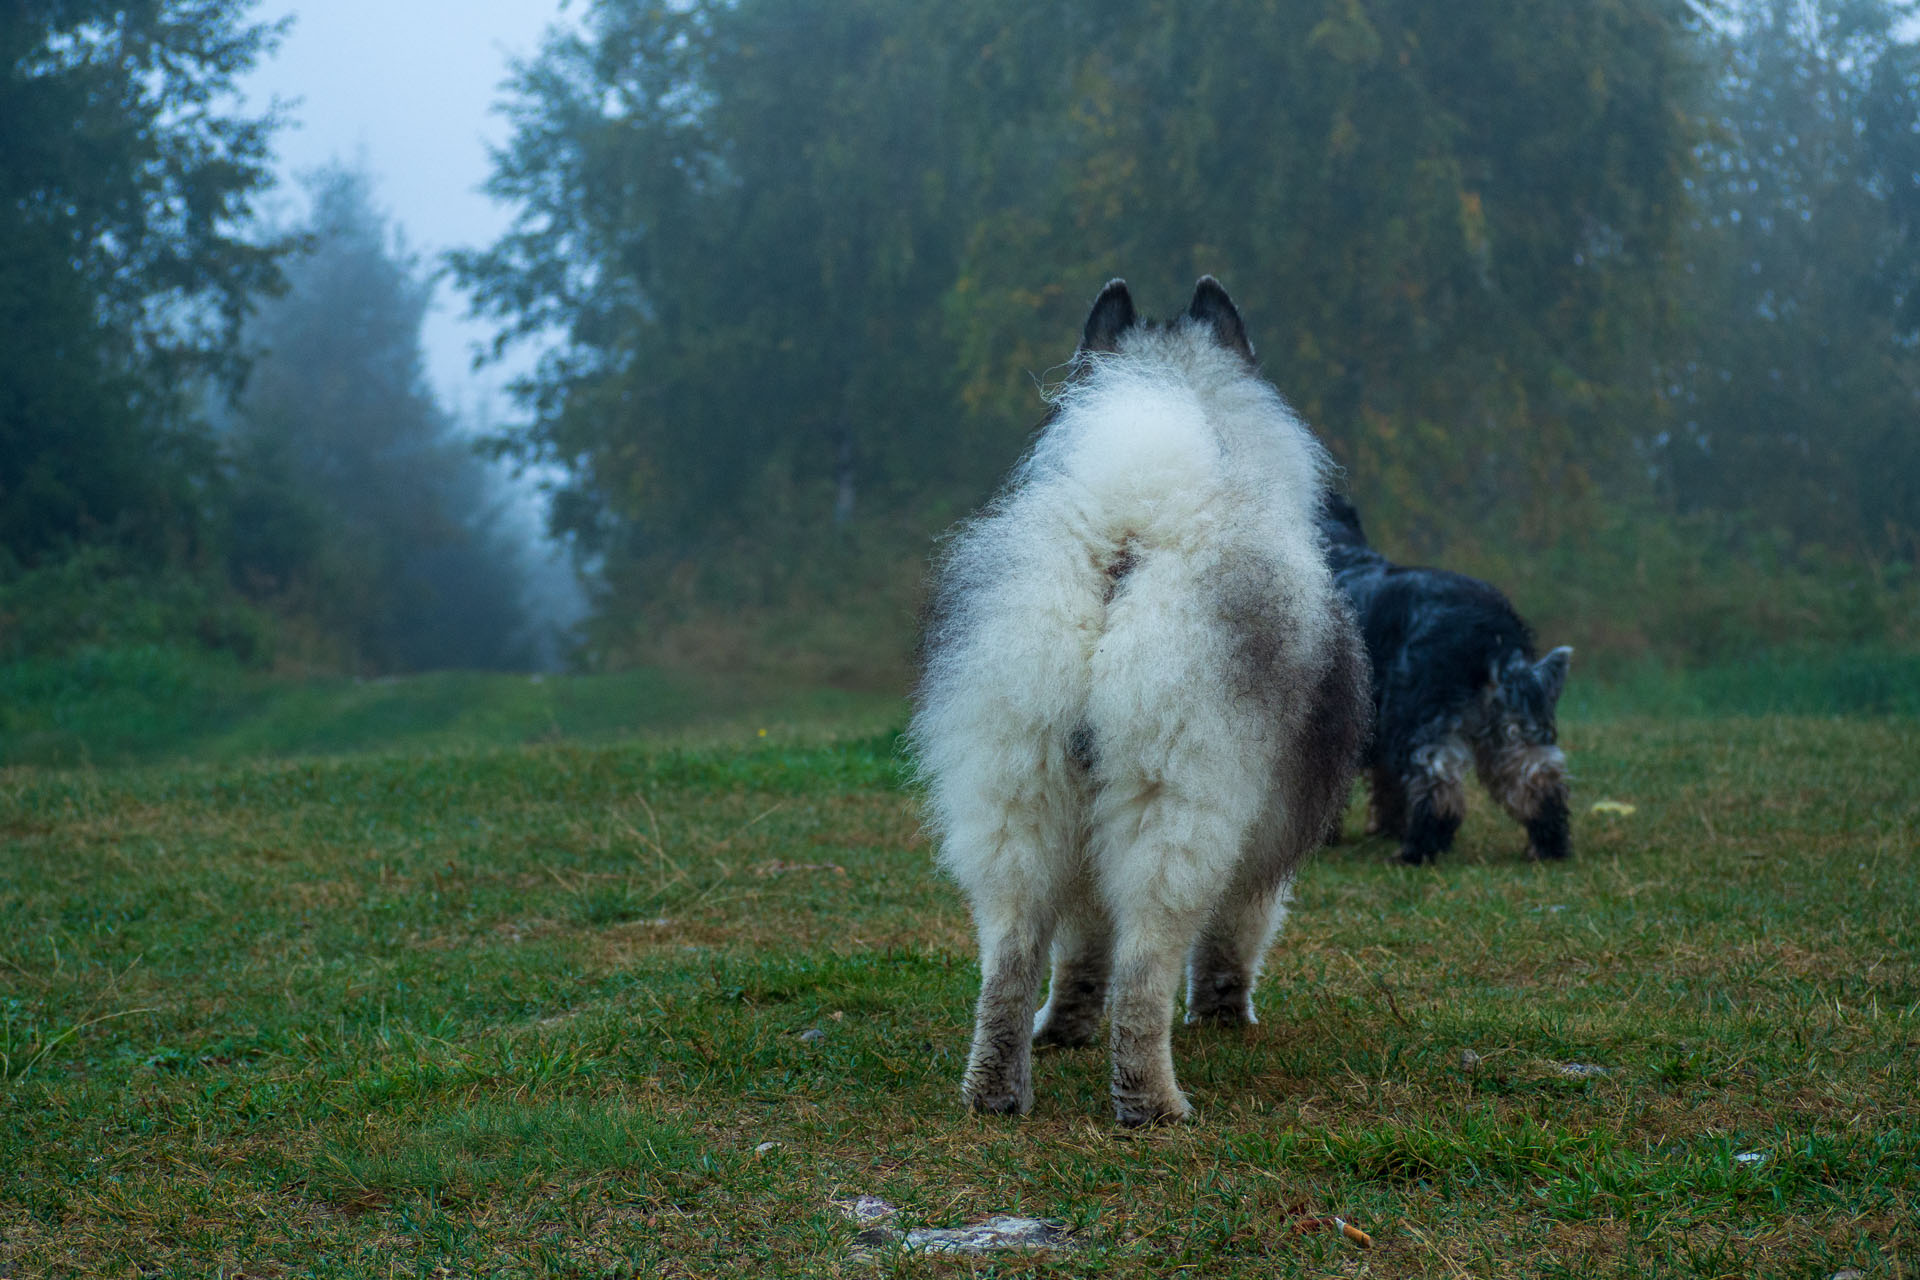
(1456, 683)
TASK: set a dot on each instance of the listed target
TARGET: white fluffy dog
(1142, 702)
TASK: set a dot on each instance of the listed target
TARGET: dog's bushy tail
(1130, 458)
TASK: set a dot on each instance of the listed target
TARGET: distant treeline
(213, 434)
(1611, 300)
(356, 507)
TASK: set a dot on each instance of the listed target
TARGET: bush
(104, 705)
(1700, 591)
(103, 597)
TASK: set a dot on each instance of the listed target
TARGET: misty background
(1614, 304)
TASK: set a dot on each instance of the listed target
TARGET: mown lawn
(533, 1010)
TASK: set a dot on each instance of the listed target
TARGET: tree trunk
(843, 478)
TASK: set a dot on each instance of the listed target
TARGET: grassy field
(536, 1010)
(108, 707)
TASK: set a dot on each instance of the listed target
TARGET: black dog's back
(1456, 682)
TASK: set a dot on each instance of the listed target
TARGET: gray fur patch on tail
(1138, 701)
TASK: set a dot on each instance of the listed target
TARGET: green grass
(154, 704)
(530, 1010)
(1856, 682)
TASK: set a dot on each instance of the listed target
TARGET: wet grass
(1863, 682)
(153, 704)
(534, 1010)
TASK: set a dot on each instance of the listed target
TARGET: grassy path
(115, 707)
(531, 1011)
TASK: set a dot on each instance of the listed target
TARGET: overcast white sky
(407, 87)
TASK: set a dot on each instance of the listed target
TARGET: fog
(1573, 301)
(406, 92)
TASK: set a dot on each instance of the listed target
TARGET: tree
(736, 216)
(1796, 399)
(1447, 224)
(358, 509)
(795, 253)
(126, 182)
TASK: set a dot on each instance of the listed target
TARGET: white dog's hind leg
(1012, 866)
(1082, 965)
(1161, 887)
(1226, 960)
(1146, 974)
(1013, 954)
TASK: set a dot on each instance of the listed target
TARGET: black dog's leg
(1386, 803)
(1436, 791)
(1530, 782)
(1549, 836)
(1430, 833)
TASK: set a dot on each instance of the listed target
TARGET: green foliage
(339, 503)
(109, 597)
(126, 181)
(1445, 225)
(356, 508)
(1594, 298)
(1646, 589)
(1615, 303)
(737, 367)
(1796, 394)
(803, 252)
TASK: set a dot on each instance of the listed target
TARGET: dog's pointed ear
(1213, 308)
(1337, 508)
(1551, 671)
(1506, 669)
(1112, 315)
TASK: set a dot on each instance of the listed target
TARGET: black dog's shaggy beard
(1456, 685)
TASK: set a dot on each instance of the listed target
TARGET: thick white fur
(1090, 603)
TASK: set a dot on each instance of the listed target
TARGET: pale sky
(407, 87)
